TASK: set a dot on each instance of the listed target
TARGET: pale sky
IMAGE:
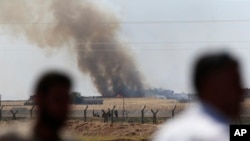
(165, 37)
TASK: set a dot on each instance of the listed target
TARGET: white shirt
(198, 123)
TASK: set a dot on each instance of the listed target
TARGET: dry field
(92, 131)
(95, 130)
(135, 104)
(12, 102)
(130, 104)
(118, 131)
(106, 131)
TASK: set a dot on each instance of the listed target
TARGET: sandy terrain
(95, 130)
(107, 129)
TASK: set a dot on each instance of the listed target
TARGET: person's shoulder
(22, 132)
(11, 136)
(172, 128)
(69, 137)
(190, 124)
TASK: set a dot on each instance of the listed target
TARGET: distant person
(116, 113)
(217, 81)
(52, 99)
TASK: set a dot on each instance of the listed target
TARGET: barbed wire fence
(111, 114)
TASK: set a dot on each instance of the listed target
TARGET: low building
(92, 100)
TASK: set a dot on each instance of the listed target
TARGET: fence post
(31, 111)
(109, 115)
(112, 114)
(173, 109)
(1, 116)
(154, 116)
(14, 114)
(142, 114)
(85, 113)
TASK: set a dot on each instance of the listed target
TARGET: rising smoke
(89, 31)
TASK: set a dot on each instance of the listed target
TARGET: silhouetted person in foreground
(217, 82)
(52, 99)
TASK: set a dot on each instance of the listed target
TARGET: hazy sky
(165, 36)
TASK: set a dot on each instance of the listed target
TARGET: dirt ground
(97, 130)
(103, 129)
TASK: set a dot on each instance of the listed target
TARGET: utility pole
(85, 113)
(142, 114)
(123, 107)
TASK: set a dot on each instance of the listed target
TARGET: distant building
(30, 101)
(169, 94)
(78, 99)
(92, 100)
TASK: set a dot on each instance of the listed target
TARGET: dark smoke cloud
(89, 31)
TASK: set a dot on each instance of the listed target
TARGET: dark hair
(50, 79)
(209, 64)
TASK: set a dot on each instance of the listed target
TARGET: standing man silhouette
(217, 81)
(51, 96)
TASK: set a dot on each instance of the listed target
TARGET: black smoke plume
(89, 31)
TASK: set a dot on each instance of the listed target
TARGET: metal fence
(13, 112)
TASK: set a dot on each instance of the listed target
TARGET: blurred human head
(52, 98)
(217, 81)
